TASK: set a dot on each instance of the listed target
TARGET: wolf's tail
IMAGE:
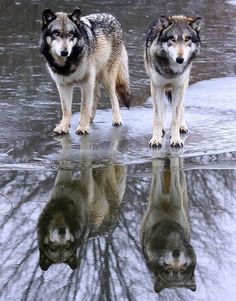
(122, 80)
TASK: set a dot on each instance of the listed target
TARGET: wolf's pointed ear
(164, 21)
(159, 285)
(75, 16)
(72, 262)
(47, 17)
(191, 283)
(196, 23)
(44, 262)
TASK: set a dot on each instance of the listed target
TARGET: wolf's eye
(172, 39)
(187, 39)
(70, 34)
(167, 268)
(182, 271)
(56, 33)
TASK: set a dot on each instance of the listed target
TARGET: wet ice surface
(112, 264)
(210, 115)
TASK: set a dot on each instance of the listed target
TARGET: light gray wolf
(172, 44)
(165, 232)
(85, 51)
(79, 207)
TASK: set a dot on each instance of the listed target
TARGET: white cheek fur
(55, 237)
(172, 53)
(70, 45)
(56, 47)
(49, 40)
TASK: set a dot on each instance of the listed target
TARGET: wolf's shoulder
(100, 20)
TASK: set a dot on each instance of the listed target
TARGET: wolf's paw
(176, 142)
(117, 121)
(155, 142)
(183, 130)
(82, 130)
(61, 129)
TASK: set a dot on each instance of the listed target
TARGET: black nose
(61, 231)
(64, 53)
(179, 60)
(176, 253)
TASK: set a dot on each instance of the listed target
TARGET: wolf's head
(179, 37)
(171, 257)
(60, 31)
(58, 244)
(60, 232)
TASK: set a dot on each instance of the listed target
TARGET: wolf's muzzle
(179, 60)
(176, 253)
(62, 231)
(64, 53)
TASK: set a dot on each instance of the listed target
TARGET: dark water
(112, 265)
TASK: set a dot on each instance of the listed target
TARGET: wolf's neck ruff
(70, 64)
(162, 67)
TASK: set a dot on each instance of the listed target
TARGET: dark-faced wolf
(171, 46)
(85, 51)
(165, 233)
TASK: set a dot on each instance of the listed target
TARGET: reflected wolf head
(171, 257)
(60, 33)
(59, 233)
(165, 230)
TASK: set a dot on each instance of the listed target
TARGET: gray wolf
(85, 51)
(79, 207)
(172, 44)
(165, 233)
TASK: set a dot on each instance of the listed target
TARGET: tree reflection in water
(112, 266)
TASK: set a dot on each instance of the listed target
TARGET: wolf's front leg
(183, 126)
(178, 94)
(157, 93)
(66, 94)
(87, 98)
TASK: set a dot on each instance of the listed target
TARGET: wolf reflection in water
(79, 208)
(165, 233)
